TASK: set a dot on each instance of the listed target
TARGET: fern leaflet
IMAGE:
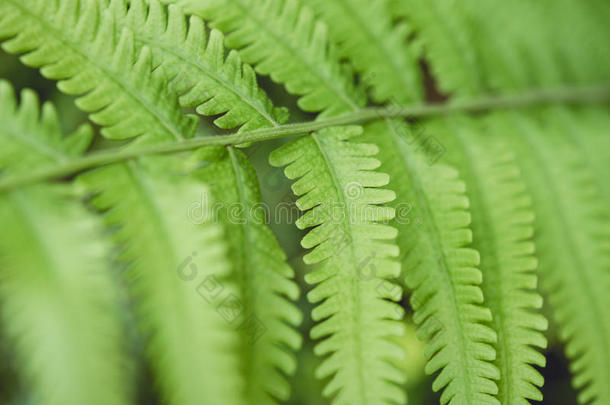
(178, 264)
(197, 66)
(57, 293)
(573, 253)
(284, 40)
(378, 50)
(262, 275)
(502, 229)
(31, 137)
(440, 269)
(86, 65)
(339, 190)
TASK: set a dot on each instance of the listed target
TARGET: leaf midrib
(355, 282)
(562, 220)
(245, 251)
(29, 140)
(434, 231)
(487, 223)
(569, 95)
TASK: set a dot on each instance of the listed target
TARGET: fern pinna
(451, 179)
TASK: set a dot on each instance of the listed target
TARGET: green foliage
(263, 276)
(579, 297)
(57, 294)
(168, 268)
(32, 137)
(502, 226)
(442, 271)
(141, 243)
(378, 49)
(282, 39)
(71, 42)
(342, 202)
(202, 75)
(57, 287)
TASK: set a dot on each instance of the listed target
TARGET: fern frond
(270, 43)
(197, 66)
(339, 190)
(282, 39)
(518, 379)
(458, 44)
(447, 32)
(588, 130)
(502, 223)
(573, 262)
(441, 270)
(177, 273)
(365, 33)
(71, 42)
(572, 239)
(537, 49)
(31, 137)
(467, 372)
(58, 302)
(261, 273)
(197, 69)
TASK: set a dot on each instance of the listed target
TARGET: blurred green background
(275, 190)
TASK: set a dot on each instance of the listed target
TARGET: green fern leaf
(446, 29)
(284, 40)
(224, 84)
(199, 71)
(58, 302)
(572, 236)
(57, 293)
(177, 274)
(458, 389)
(71, 42)
(365, 34)
(30, 137)
(323, 152)
(339, 190)
(502, 233)
(566, 203)
(588, 130)
(197, 66)
(433, 217)
(262, 275)
(213, 287)
(313, 84)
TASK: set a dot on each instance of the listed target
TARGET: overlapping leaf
(58, 295)
(341, 194)
(441, 269)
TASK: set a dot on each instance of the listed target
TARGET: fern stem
(573, 95)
